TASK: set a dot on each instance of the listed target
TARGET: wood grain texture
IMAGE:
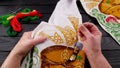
(3, 55)
(110, 48)
(28, 2)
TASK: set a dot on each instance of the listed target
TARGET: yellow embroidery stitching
(75, 23)
(69, 35)
(56, 38)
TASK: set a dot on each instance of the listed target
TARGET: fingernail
(44, 37)
(41, 37)
(81, 27)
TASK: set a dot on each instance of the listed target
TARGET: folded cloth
(61, 29)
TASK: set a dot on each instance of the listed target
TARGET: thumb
(38, 40)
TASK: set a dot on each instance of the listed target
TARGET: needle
(89, 20)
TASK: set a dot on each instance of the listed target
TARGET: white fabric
(63, 10)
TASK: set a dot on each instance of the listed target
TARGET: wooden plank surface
(110, 48)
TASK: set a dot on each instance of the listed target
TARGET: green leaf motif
(30, 66)
(112, 28)
(27, 58)
(108, 1)
(79, 57)
(36, 50)
(25, 65)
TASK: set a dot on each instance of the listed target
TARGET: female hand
(26, 43)
(91, 38)
(21, 49)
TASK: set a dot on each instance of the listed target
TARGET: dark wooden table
(110, 48)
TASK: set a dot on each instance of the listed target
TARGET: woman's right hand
(91, 38)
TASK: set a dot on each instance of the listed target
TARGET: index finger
(92, 28)
(85, 32)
